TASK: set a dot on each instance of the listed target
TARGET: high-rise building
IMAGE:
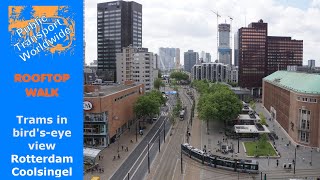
(136, 64)
(155, 61)
(177, 58)
(190, 59)
(311, 63)
(224, 44)
(236, 49)
(261, 55)
(208, 58)
(119, 24)
(283, 52)
(168, 58)
(252, 54)
(202, 58)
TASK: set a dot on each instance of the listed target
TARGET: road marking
(163, 153)
(139, 163)
(142, 153)
(175, 167)
(185, 170)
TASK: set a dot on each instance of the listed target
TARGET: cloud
(189, 24)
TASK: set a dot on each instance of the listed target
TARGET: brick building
(108, 111)
(293, 100)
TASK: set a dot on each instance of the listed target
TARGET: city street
(167, 164)
(136, 165)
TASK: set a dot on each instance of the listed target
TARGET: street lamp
(311, 157)
(256, 150)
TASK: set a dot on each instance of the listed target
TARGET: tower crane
(218, 15)
(231, 34)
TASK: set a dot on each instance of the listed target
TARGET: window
(303, 124)
(303, 136)
(313, 100)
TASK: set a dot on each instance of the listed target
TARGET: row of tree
(179, 76)
(149, 105)
(217, 102)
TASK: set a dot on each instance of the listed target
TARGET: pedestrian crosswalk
(164, 113)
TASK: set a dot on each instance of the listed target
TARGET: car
(155, 118)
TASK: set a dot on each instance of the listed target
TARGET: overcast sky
(190, 24)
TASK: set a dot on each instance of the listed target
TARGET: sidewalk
(107, 161)
(192, 172)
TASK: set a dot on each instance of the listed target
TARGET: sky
(191, 24)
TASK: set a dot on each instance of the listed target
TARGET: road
(167, 165)
(136, 165)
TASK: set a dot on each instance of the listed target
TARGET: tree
(208, 113)
(159, 74)
(219, 105)
(253, 105)
(201, 86)
(263, 139)
(177, 108)
(146, 106)
(179, 76)
(158, 83)
(157, 95)
(263, 119)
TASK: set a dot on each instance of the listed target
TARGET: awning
(90, 154)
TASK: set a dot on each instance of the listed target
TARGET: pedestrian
(277, 162)
(122, 148)
(114, 157)
(127, 149)
(99, 157)
(118, 156)
(102, 169)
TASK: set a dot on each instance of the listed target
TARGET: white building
(218, 72)
(233, 73)
(136, 64)
(210, 71)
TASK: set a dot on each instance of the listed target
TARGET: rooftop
(247, 117)
(250, 129)
(296, 81)
(105, 90)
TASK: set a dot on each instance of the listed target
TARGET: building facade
(283, 52)
(108, 112)
(208, 58)
(236, 49)
(217, 72)
(168, 58)
(233, 75)
(136, 64)
(260, 55)
(293, 100)
(311, 63)
(119, 24)
(177, 58)
(252, 54)
(190, 59)
(224, 49)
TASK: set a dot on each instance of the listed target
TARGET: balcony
(89, 132)
(88, 119)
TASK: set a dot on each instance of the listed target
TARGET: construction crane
(218, 15)
(231, 36)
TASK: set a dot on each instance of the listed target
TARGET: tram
(232, 164)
